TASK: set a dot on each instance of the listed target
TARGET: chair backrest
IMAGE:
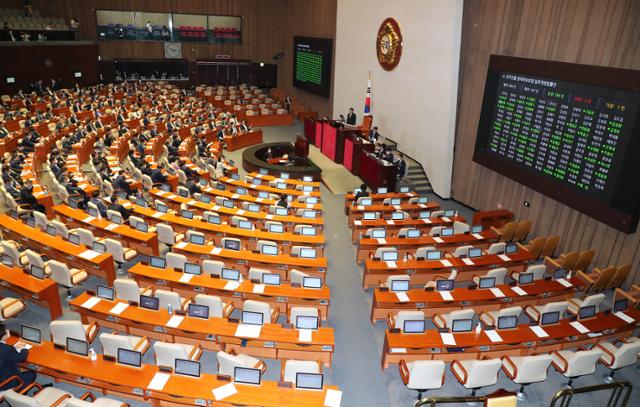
(165, 233)
(20, 400)
(460, 227)
(462, 250)
(537, 270)
(212, 267)
(60, 273)
(582, 362)
(569, 260)
(262, 243)
(380, 250)
(422, 251)
(176, 260)
(167, 353)
(483, 373)
(10, 250)
(536, 246)
(557, 306)
(295, 312)
(509, 312)
(436, 231)
(626, 355)
(620, 277)
(190, 233)
(86, 236)
(584, 260)
(594, 299)
(496, 248)
(236, 219)
(258, 306)
(297, 276)
(61, 228)
(134, 220)
(293, 367)
(41, 219)
(167, 298)
(406, 315)
(256, 273)
(115, 248)
(508, 231)
(426, 374)
(524, 227)
(111, 342)
(533, 369)
(550, 246)
(604, 279)
(214, 303)
(127, 289)
(61, 330)
(498, 273)
(34, 258)
(458, 314)
(298, 228)
(227, 362)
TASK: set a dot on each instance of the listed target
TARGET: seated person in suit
(373, 135)
(121, 182)
(115, 206)
(401, 166)
(10, 359)
(102, 208)
(193, 187)
(27, 197)
(282, 202)
(361, 193)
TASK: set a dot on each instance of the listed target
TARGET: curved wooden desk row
(283, 296)
(394, 226)
(216, 232)
(266, 188)
(423, 271)
(378, 198)
(357, 212)
(174, 202)
(274, 341)
(241, 140)
(368, 246)
(502, 296)
(54, 247)
(519, 341)
(290, 181)
(134, 383)
(145, 243)
(42, 292)
(213, 192)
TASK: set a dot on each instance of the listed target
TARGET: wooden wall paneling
(598, 32)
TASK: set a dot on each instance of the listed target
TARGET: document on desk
(305, 335)
(397, 207)
(157, 215)
(180, 245)
(225, 391)
(162, 193)
(88, 219)
(397, 350)
(310, 206)
(540, 333)
(360, 208)
(438, 239)
(497, 292)
(215, 208)
(192, 202)
(119, 308)
(626, 318)
(446, 263)
(391, 264)
(445, 219)
(158, 381)
(381, 240)
(446, 295)
(468, 262)
(90, 302)
(111, 226)
(235, 196)
(258, 288)
(402, 296)
(240, 212)
(519, 291)
(477, 235)
(89, 254)
(333, 398)
(248, 331)
(357, 223)
(565, 282)
(427, 221)
(259, 200)
(216, 251)
(504, 257)
(448, 338)
(172, 196)
(390, 222)
(493, 335)
(232, 285)
(579, 327)
(422, 205)
(185, 278)
(269, 216)
(175, 321)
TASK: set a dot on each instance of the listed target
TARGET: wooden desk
(241, 140)
(58, 249)
(42, 292)
(213, 192)
(519, 341)
(368, 246)
(145, 243)
(394, 226)
(357, 212)
(431, 302)
(274, 342)
(378, 198)
(423, 271)
(282, 297)
(266, 188)
(376, 174)
(496, 218)
(289, 181)
(129, 382)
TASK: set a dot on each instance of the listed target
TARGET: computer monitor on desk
(271, 279)
(149, 302)
(158, 262)
(129, 357)
(400, 285)
(413, 326)
(309, 381)
(106, 293)
(525, 278)
(550, 318)
(445, 285)
(461, 325)
(307, 322)
(507, 322)
(192, 268)
(434, 255)
(252, 318)
(587, 312)
(198, 311)
(390, 256)
(620, 305)
(560, 273)
(30, 334)
(230, 274)
(77, 347)
(187, 367)
(487, 282)
(247, 375)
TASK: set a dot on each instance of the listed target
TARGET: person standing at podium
(351, 117)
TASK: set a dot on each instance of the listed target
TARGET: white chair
(397, 321)
(534, 312)
(490, 318)
(297, 276)
(182, 191)
(422, 375)
(217, 308)
(224, 241)
(525, 370)
(119, 253)
(68, 278)
(269, 315)
(61, 228)
(616, 358)
(112, 342)
(128, 290)
(381, 250)
(498, 273)
(41, 219)
(255, 274)
(167, 236)
(10, 307)
(573, 364)
(436, 230)
(95, 402)
(295, 250)
(167, 353)
(86, 236)
(460, 227)
(496, 248)
(212, 267)
(391, 279)
(474, 374)
(433, 283)
(45, 397)
(61, 330)
(10, 248)
(462, 251)
(134, 221)
(35, 259)
(236, 219)
(421, 252)
(262, 243)
(537, 270)
(176, 260)
(190, 233)
(290, 369)
(446, 320)
(594, 299)
(227, 362)
(295, 312)
(171, 298)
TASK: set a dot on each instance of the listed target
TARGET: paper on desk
(231, 285)
(225, 391)
(422, 205)
(88, 219)
(174, 321)
(565, 282)
(493, 335)
(305, 193)
(157, 215)
(192, 202)
(519, 291)
(497, 292)
(445, 219)
(468, 262)
(504, 257)
(448, 338)
(111, 226)
(446, 263)
(626, 318)
(158, 381)
(22, 345)
(235, 196)
(390, 222)
(309, 206)
(446, 295)
(269, 216)
(240, 212)
(305, 335)
(181, 245)
(382, 240)
(398, 350)
(477, 235)
(90, 302)
(426, 220)
(185, 278)
(402, 296)
(540, 333)
(357, 222)
(438, 239)
(360, 207)
(333, 398)
(89, 254)
(397, 207)
(171, 196)
(248, 331)
(216, 208)
(258, 288)
(216, 250)
(259, 200)
(594, 334)
(119, 308)
(579, 327)
(391, 264)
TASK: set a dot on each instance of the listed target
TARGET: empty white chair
(262, 243)
(66, 277)
(573, 364)
(460, 227)
(45, 397)
(497, 273)
(256, 273)
(112, 342)
(227, 362)
(422, 375)
(437, 214)
(61, 228)
(119, 253)
(134, 221)
(295, 312)
(292, 367)
(170, 298)
(397, 321)
(534, 312)
(490, 318)
(594, 299)
(269, 315)
(224, 241)
(616, 358)
(446, 320)
(9, 308)
(391, 279)
(421, 252)
(217, 308)
(212, 267)
(10, 248)
(462, 251)
(496, 248)
(451, 276)
(61, 330)
(474, 374)
(128, 290)
(167, 236)
(525, 370)
(436, 230)
(86, 236)
(297, 276)
(36, 260)
(537, 270)
(41, 219)
(182, 191)
(96, 402)
(236, 219)
(167, 353)
(176, 260)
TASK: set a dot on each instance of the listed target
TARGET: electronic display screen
(307, 253)
(384, 190)
(187, 367)
(312, 64)
(399, 285)
(308, 231)
(232, 245)
(475, 253)
(390, 255)
(160, 207)
(196, 239)
(269, 250)
(413, 233)
(106, 292)
(192, 268)
(307, 322)
(158, 262)
(312, 282)
(129, 357)
(30, 334)
(99, 247)
(78, 347)
(271, 279)
(198, 311)
(525, 278)
(214, 219)
(434, 255)
(487, 282)
(587, 312)
(550, 318)
(252, 318)
(276, 228)
(416, 326)
(230, 274)
(620, 305)
(462, 325)
(445, 285)
(507, 322)
(148, 302)
(311, 381)
(246, 375)
(378, 233)
(186, 214)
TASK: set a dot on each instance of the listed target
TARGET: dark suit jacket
(351, 119)
(10, 358)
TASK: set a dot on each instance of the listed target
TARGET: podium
(353, 146)
(310, 129)
(375, 173)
